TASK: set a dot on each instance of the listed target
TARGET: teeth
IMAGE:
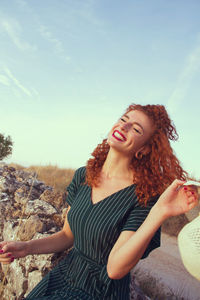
(118, 136)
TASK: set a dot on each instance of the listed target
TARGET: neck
(117, 165)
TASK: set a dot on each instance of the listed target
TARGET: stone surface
(162, 275)
(29, 228)
(29, 210)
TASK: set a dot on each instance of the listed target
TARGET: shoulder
(79, 174)
(80, 171)
(77, 180)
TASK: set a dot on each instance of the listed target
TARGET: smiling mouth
(119, 136)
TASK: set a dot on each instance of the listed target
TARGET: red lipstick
(119, 136)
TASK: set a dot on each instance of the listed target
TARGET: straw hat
(189, 243)
(189, 247)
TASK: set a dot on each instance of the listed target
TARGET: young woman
(118, 202)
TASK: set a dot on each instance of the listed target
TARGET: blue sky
(69, 69)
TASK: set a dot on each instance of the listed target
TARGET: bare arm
(130, 245)
(57, 242)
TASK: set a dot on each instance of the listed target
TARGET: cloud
(4, 80)
(14, 30)
(44, 31)
(16, 82)
(192, 65)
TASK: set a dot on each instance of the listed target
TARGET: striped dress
(82, 274)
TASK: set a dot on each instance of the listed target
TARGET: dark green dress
(82, 275)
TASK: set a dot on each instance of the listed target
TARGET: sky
(70, 68)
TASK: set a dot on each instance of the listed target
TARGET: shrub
(5, 146)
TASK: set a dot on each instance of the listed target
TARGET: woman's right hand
(11, 250)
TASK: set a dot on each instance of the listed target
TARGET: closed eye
(137, 130)
(122, 120)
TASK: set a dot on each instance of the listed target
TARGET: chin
(115, 146)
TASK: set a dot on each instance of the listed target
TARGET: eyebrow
(135, 123)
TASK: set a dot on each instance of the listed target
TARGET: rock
(55, 197)
(33, 278)
(2, 184)
(39, 207)
(29, 228)
(136, 292)
(29, 210)
(19, 194)
(10, 230)
(173, 225)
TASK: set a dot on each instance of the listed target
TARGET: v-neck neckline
(105, 198)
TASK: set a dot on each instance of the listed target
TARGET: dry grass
(53, 176)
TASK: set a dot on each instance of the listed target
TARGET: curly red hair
(154, 171)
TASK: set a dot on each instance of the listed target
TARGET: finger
(6, 263)
(2, 244)
(3, 250)
(192, 204)
(189, 194)
(8, 247)
(176, 184)
(193, 194)
(5, 255)
(192, 188)
(192, 200)
(7, 260)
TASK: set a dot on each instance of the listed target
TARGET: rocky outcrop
(29, 210)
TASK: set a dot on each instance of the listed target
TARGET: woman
(118, 203)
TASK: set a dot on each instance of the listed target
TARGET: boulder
(29, 210)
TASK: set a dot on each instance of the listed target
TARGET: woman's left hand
(177, 199)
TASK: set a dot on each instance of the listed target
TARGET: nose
(126, 126)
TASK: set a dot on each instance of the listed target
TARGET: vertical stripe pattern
(96, 228)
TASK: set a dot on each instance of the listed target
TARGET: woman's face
(131, 132)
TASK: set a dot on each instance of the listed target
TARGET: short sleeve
(135, 219)
(72, 188)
